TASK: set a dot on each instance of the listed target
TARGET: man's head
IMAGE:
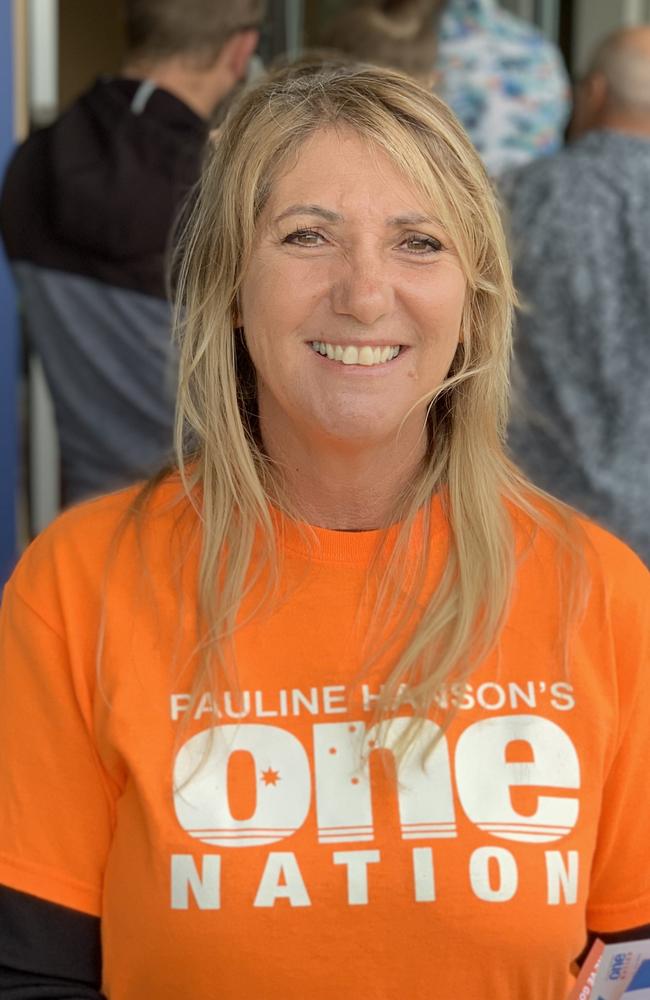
(205, 41)
(615, 92)
(195, 30)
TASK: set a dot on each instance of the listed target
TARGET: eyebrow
(324, 213)
(413, 219)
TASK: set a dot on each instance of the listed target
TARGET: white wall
(596, 18)
(593, 20)
(43, 27)
(44, 477)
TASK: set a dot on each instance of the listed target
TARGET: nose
(361, 288)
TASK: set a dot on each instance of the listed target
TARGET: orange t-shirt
(269, 857)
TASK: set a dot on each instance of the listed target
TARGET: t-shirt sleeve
(56, 798)
(619, 895)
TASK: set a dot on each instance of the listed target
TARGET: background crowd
(90, 211)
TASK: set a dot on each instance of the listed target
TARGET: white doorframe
(44, 467)
(635, 12)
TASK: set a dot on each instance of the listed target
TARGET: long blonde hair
(221, 458)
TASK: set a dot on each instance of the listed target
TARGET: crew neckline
(596, 138)
(331, 545)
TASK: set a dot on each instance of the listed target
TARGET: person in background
(579, 226)
(86, 213)
(402, 34)
(506, 83)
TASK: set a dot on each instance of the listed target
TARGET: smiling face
(352, 300)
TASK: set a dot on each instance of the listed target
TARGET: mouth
(368, 355)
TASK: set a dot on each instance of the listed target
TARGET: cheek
(440, 321)
(451, 293)
(439, 300)
(259, 323)
(441, 318)
(275, 297)
(256, 354)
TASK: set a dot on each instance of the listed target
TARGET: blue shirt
(579, 224)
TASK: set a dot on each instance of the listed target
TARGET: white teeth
(351, 355)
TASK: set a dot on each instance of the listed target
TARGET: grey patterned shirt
(580, 231)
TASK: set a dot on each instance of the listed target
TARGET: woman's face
(352, 301)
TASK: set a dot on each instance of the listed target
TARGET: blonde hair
(402, 34)
(220, 453)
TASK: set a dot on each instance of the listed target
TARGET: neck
(200, 90)
(346, 487)
(627, 122)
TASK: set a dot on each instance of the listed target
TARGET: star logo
(270, 777)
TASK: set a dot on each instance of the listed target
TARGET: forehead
(348, 173)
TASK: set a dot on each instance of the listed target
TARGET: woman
(342, 706)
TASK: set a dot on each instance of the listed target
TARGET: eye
(303, 238)
(417, 243)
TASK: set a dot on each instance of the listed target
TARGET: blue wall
(9, 353)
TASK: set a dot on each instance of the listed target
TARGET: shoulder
(621, 576)
(28, 153)
(70, 559)
(558, 205)
(86, 526)
(529, 187)
(574, 180)
(612, 579)
(23, 187)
